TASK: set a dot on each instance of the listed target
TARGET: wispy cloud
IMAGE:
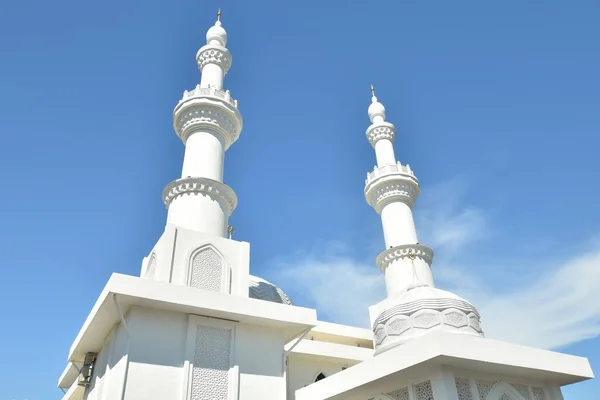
(557, 308)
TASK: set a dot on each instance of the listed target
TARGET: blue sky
(496, 109)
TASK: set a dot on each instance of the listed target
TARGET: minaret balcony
(208, 92)
(389, 169)
(391, 183)
(209, 109)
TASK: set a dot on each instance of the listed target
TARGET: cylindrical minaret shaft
(208, 122)
(391, 189)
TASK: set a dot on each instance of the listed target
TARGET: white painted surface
(192, 332)
(384, 151)
(204, 156)
(398, 225)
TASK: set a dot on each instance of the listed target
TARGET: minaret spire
(392, 189)
(208, 121)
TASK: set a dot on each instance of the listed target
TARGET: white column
(384, 151)
(398, 225)
(204, 156)
(212, 75)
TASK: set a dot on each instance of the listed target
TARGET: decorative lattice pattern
(399, 394)
(455, 318)
(424, 391)
(398, 326)
(207, 270)
(426, 320)
(151, 270)
(506, 397)
(484, 387)
(210, 376)
(379, 334)
(463, 387)
(474, 321)
(522, 389)
(538, 393)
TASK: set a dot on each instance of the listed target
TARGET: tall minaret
(208, 121)
(414, 306)
(196, 248)
(391, 189)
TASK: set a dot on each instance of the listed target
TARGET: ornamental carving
(424, 391)
(211, 363)
(391, 187)
(216, 190)
(384, 130)
(400, 321)
(426, 319)
(410, 251)
(214, 54)
(194, 115)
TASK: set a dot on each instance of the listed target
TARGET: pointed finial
(372, 90)
(219, 15)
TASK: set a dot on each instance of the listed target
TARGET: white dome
(376, 109)
(264, 290)
(421, 310)
(218, 33)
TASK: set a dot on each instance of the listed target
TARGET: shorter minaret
(414, 306)
(392, 189)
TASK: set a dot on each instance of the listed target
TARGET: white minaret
(208, 122)
(391, 189)
(196, 248)
(414, 306)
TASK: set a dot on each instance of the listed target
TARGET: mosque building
(196, 325)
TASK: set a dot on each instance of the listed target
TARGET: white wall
(159, 348)
(303, 370)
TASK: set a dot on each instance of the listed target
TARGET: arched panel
(208, 270)
(151, 269)
(504, 391)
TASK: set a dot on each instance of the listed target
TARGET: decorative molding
(216, 190)
(411, 251)
(207, 113)
(390, 187)
(209, 92)
(389, 169)
(401, 321)
(380, 131)
(214, 54)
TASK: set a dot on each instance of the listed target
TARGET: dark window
(319, 377)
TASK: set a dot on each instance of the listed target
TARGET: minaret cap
(217, 34)
(376, 109)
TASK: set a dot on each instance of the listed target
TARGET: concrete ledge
(75, 392)
(331, 351)
(135, 291)
(382, 372)
(69, 375)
